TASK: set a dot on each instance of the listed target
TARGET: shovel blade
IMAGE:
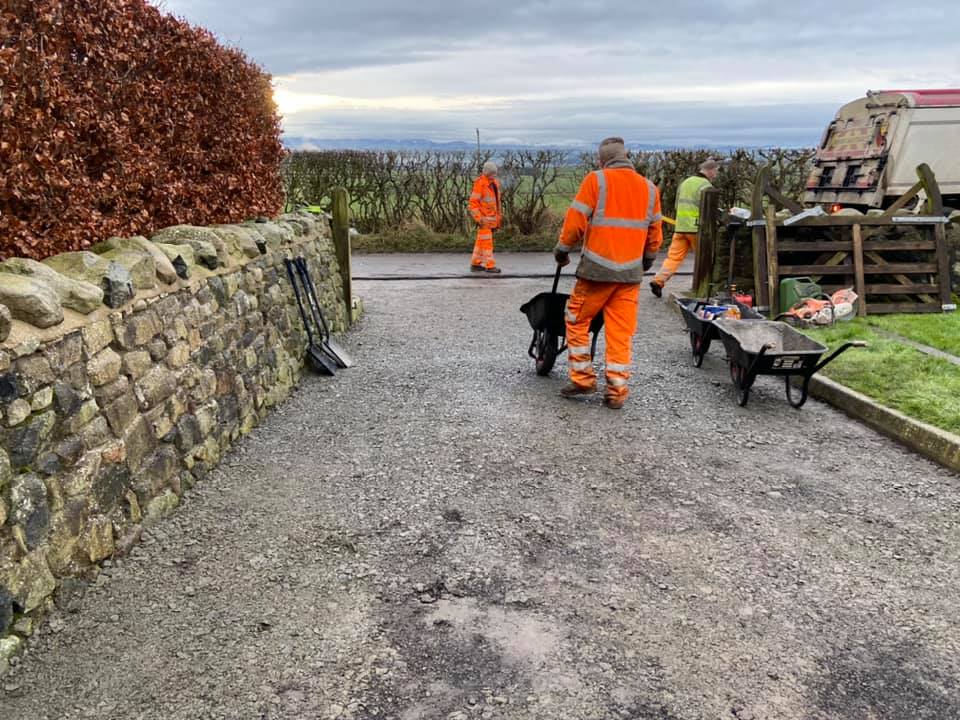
(319, 362)
(337, 350)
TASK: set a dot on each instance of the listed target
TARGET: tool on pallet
(318, 359)
(333, 348)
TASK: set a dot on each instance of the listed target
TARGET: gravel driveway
(436, 534)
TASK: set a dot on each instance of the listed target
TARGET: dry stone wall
(107, 417)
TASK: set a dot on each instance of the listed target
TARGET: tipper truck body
(869, 153)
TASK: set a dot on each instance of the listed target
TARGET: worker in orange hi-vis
(687, 229)
(616, 218)
(484, 207)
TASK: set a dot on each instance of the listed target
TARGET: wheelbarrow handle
(756, 361)
(556, 278)
(843, 348)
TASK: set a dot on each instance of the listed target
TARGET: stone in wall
(240, 241)
(208, 249)
(113, 279)
(163, 267)
(181, 257)
(30, 300)
(6, 322)
(74, 294)
(274, 235)
(140, 265)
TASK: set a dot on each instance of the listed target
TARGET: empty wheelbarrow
(765, 347)
(546, 314)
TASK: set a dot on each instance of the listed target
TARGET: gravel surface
(436, 534)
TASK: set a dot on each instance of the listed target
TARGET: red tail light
(836, 207)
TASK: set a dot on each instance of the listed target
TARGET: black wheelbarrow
(546, 314)
(702, 332)
(766, 347)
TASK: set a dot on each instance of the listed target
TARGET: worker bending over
(688, 222)
(616, 217)
(484, 207)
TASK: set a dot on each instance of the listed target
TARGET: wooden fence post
(341, 241)
(706, 242)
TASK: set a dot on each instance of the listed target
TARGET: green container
(793, 290)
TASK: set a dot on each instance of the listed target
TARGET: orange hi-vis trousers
(483, 248)
(618, 301)
(681, 244)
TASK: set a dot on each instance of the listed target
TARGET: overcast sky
(675, 72)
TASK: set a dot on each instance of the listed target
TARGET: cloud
(554, 70)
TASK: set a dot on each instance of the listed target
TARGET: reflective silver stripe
(571, 317)
(582, 208)
(602, 193)
(652, 202)
(581, 365)
(621, 223)
(475, 196)
(489, 217)
(610, 264)
(616, 367)
(656, 218)
(616, 382)
(579, 349)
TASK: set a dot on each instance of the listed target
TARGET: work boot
(476, 268)
(656, 288)
(614, 403)
(570, 390)
(494, 270)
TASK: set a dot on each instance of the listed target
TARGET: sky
(559, 72)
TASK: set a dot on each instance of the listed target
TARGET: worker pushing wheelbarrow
(615, 218)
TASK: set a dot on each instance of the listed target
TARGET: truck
(869, 153)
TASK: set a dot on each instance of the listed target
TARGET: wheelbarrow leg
(531, 351)
(804, 391)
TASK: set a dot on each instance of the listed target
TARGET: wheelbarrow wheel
(698, 348)
(738, 374)
(797, 402)
(546, 351)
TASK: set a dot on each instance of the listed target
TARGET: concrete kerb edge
(931, 442)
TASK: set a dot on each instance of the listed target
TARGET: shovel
(331, 346)
(318, 360)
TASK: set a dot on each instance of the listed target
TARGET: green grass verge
(421, 240)
(895, 375)
(941, 331)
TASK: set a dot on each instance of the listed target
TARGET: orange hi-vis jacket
(616, 215)
(484, 205)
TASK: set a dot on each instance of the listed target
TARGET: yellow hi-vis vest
(688, 204)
